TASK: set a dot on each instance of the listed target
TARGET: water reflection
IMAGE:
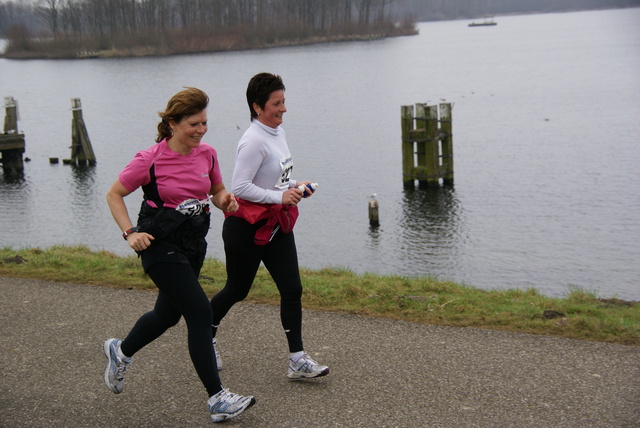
(11, 177)
(17, 209)
(83, 195)
(430, 229)
(83, 177)
(375, 236)
(434, 211)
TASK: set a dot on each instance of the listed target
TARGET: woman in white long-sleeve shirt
(261, 230)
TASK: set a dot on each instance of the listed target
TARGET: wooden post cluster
(427, 145)
(12, 144)
(81, 150)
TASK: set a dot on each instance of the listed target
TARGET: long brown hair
(185, 103)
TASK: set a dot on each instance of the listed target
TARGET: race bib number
(286, 166)
(193, 207)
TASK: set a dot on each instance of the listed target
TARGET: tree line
(91, 17)
(105, 24)
(160, 27)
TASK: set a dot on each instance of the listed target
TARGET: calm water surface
(546, 121)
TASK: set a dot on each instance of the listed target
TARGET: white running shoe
(306, 367)
(226, 405)
(116, 367)
(215, 351)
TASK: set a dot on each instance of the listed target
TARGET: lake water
(546, 119)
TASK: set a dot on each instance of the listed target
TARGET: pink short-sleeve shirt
(169, 178)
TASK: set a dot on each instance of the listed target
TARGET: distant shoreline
(49, 49)
(222, 44)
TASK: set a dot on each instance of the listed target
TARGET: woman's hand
(115, 199)
(291, 196)
(139, 241)
(229, 203)
(222, 199)
(308, 190)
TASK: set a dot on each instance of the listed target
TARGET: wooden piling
(12, 144)
(408, 145)
(421, 144)
(81, 149)
(446, 136)
(11, 116)
(431, 168)
(424, 158)
(374, 218)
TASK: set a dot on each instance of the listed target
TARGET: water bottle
(308, 189)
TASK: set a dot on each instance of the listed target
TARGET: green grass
(579, 315)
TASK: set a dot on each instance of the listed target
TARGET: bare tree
(47, 10)
(71, 18)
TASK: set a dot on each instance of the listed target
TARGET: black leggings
(243, 259)
(180, 295)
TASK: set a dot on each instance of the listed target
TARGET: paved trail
(383, 373)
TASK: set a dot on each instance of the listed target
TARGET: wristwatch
(130, 231)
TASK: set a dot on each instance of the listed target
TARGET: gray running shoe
(226, 405)
(215, 351)
(306, 367)
(116, 367)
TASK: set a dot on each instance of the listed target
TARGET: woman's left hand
(222, 199)
(230, 204)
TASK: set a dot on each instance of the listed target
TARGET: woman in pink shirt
(179, 175)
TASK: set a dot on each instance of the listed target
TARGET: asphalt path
(383, 373)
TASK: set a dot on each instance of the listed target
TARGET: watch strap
(130, 231)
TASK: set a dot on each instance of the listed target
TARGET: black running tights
(243, 259)
(180, 294)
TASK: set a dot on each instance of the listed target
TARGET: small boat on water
(487, 22)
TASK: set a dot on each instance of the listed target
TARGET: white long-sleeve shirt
(263, 165)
